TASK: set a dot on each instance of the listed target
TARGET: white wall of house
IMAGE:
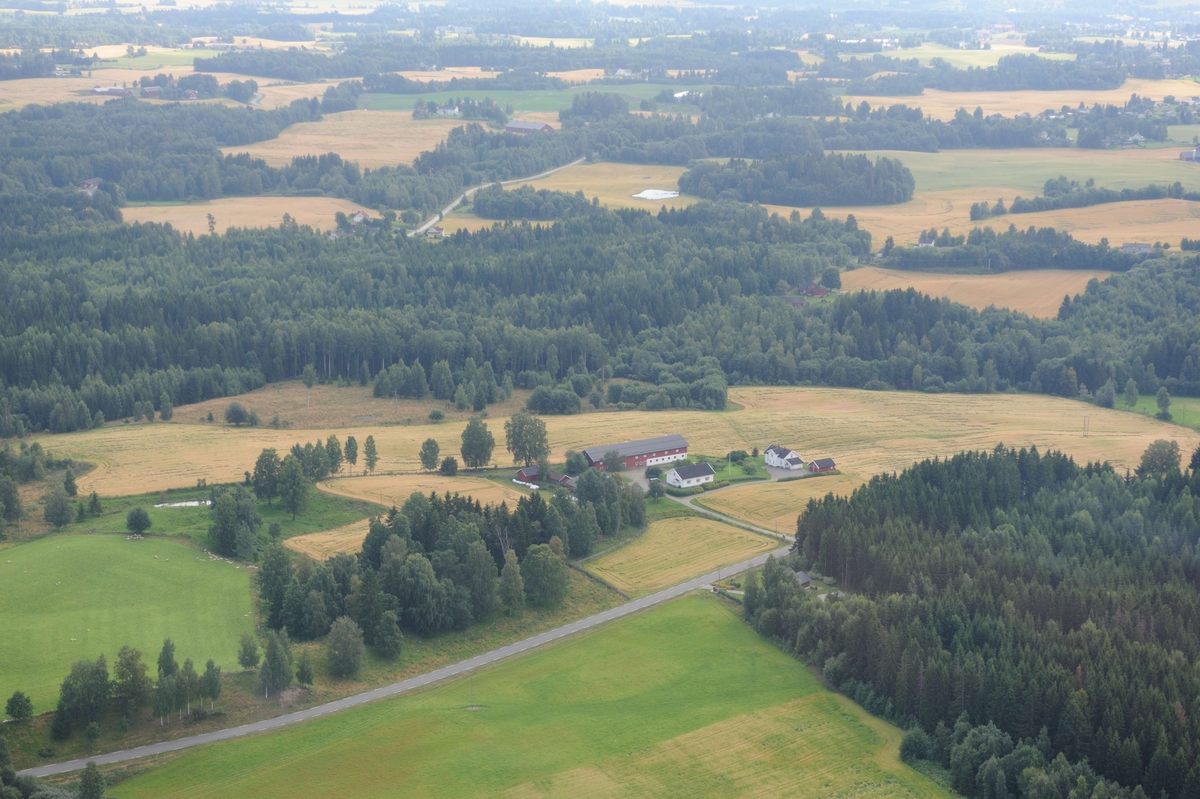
(778, 462)
(673, 479)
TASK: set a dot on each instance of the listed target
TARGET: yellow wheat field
(615, 184)
(326, 544)
(774, 506)
(674, 550)
(1037, 292)
(395, 489)
(865, 431)
(943, 105)
(372, 138)
(227, 212)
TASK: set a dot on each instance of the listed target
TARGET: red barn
(645, 452)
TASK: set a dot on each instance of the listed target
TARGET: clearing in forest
(394, 490)
(683, 700)
(866, 432)
(1037, 292)
(68, 597)
(243, 212)
(326, 544)
(677, 549)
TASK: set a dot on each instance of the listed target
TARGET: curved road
(404, 686)
(431, 221)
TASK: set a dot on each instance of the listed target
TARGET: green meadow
(683, 700)
(68, 597)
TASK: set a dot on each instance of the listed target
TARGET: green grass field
(67, 597)
(683, 700)
(1185, 411)
(548, 100)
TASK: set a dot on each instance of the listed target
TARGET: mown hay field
(684, 700)
(243, 212)
(775, 506)
(964, 59)
(393, 490)
(943, 105)
(1037, 292)
(615, 184)
(326, 544)
(865, 431)
(372, 138)
(677, 549)
(67, 597)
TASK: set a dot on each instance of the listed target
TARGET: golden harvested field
(943, 105)
(615, 184)
(333, 407)
(578, 75)
(396, 489)
(774, 506)
(243, 212)
(865, 431)
(324, 545)
(372, 138)
(674, 550)
(1035, 292)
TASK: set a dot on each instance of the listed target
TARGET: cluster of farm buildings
(671, 449)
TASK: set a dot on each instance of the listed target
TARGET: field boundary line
(428, 223)
(405, 686)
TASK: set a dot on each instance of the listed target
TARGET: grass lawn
(683, 700)
(1185, 411)
(67, 597)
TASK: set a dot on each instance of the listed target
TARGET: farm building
(783, 458)
(435, 232)
(815, 290)
(1136, 247)
(521, 126)
(90, 185)
(822, 465)
(152, 91)
(1190, 155)
(112, 91)
(802, 579)
(531, 474)
(359, 218)
(690, 476)
(645, 452)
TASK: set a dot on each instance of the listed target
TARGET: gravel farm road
(411, 684)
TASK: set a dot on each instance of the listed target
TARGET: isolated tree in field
(351, 452)
(388, 638)
(1163, 401)
(58, 510)
(167, 665)
(309, 376)
(91, 782)
(165, 409)
(85, 692)
(265, 479)
(19, 707)
(477, 444)
(1160, 458)
(137, 521)
(132, 687)
(613, 462)
(344, 648)
(248, 651)
(545, 575)
(429, 454)
(293, 486)
(512, 586)
(370, 455)
(525, 437)
(236, 415)
(210, 683)
(304, 669)
(333, 454)
(276, 673)
(69, 483)
(449, 466)
(1131, 393)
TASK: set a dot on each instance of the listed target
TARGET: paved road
(405, 686)
(433, 220)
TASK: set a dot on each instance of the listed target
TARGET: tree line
(1035, 620)
(1016, 72)
(1062, 192)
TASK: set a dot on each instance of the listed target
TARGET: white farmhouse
(783, 458)
(690, 476)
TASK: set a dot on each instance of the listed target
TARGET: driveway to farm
(477, 662)
(428, 223)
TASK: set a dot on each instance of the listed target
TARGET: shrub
(344, 648)
(915, 745)
(449, 466)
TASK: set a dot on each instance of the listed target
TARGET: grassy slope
(680, 701)
(69, 597)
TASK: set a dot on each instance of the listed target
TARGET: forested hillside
(803, 181)
(1017, 607)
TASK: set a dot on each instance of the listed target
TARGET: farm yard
(1037, 292)
(672, 702)
(68, 597)
(676, 549)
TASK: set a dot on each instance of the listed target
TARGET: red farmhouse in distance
(646, 452)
